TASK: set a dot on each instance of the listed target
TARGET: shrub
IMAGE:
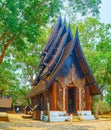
(101, 107)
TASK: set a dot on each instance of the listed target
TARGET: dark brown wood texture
(88, 99)
(68, 92)
(94, 89)
(54, 96)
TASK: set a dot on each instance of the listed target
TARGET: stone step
(85, 115)
(89, 117)
(59, 119)
(57, 113)
(56, 119)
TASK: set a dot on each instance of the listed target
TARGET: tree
(29, 58)
(95, 38)
(79, 9)
(22, 23)
(21, 20)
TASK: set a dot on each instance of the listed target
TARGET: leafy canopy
(21, 19)
(21, 23)
(95, 38)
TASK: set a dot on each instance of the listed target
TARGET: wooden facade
(65, 80)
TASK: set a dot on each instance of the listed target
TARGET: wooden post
(64, 99)
(88, 103)
(76, 98)
(80, 103)
(54, 96)
(48, 111)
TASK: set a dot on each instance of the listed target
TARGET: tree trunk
(5, 47)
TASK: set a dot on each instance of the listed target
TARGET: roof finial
(69, 30)
(60, 18)
(76, 32)
(65, 20)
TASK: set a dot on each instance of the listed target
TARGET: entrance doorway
(72, 102)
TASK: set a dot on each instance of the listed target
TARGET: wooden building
(19, 105)
(6, 103)
(64, 80)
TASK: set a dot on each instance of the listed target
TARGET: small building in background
(19, 105)
(6, 104)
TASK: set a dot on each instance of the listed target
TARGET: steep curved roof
(53, 35)
(61, 48)
(47, 80)
(90, 81)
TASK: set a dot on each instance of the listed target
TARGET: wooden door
(72, 99)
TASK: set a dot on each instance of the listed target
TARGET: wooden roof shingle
(58, 51)
(6, 101)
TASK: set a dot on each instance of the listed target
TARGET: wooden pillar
(77, 98)
(80, 102)
(88, 100)
(54, 96)
(64, 102)
(66, 99)
(48, 111)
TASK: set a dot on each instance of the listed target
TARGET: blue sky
(105, 11)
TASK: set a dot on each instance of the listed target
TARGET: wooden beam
(54, 96)
(48, 111)
(64, 102)
(77, 98)
(66, 99)
(88, 102)
(71, 85)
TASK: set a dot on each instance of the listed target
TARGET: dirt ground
(18, 123)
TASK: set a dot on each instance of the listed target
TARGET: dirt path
(18, 123)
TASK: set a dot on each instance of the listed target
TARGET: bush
(101, 107)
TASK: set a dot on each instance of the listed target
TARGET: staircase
(61, 116)
(56, 116)
(85, 115)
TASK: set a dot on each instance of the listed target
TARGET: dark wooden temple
(64, 80)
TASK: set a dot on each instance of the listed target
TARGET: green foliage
(108, 94)
(26, 20)
(79, 9)
(101, 107)
(94, 107)
(10, 80)
(25, 17)
(6, 73)
(95, 38)
(86, 7)
(29, 58)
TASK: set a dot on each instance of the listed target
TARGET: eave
(90, 81)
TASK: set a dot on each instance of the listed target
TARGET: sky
(105, 11)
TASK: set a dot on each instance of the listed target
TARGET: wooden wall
(57, 95)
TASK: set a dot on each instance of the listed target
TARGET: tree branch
(6, 45)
